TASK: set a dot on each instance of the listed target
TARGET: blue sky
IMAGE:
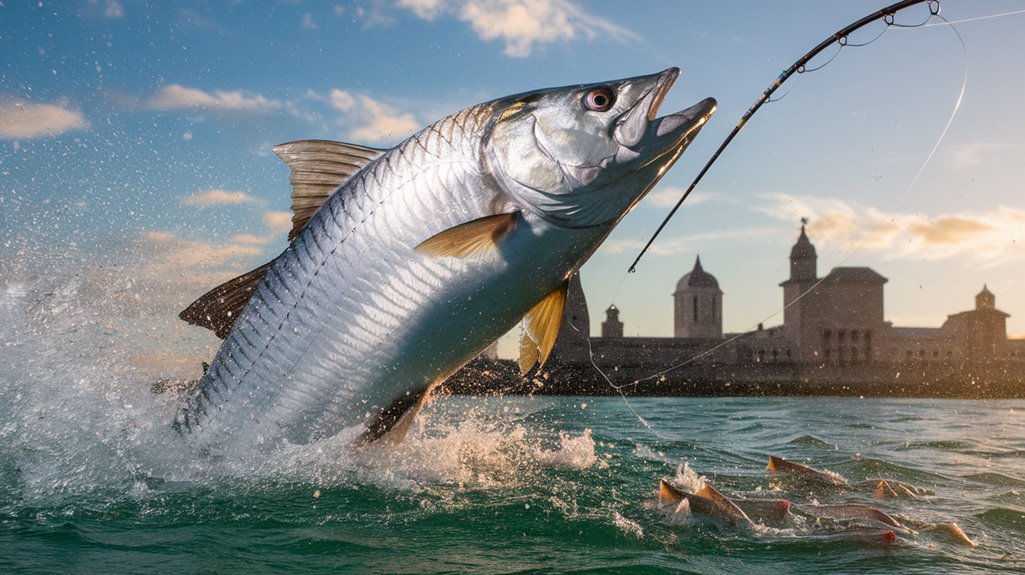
(139, 134)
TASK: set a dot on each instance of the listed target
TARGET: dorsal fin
(541, 326)
(318, 168)
(218, 308)
(666, 492)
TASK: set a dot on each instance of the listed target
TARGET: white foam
(687, 479)
(78, 413)
(628, 526)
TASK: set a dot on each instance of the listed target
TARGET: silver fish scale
(341, 293)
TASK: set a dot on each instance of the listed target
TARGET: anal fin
(394, 421)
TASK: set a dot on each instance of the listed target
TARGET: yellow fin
(528, 353)
(541, 328)
(474, 237)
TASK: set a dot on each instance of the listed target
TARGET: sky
(135, 137)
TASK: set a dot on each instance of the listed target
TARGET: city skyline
(139, 136)
(598, 316)
(697, 262)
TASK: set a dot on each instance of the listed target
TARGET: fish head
(583, 156)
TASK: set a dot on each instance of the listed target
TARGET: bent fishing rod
(840, 37)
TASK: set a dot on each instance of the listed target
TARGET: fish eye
(599, 99)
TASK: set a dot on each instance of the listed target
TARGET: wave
(994, 478)
(1003, 519)
(812, 442)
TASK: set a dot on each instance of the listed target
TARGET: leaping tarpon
(406, 263)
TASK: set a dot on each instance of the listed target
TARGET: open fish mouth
(641, 128)
(665, 82)
(691, 118)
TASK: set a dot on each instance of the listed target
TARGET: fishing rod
(840, 37)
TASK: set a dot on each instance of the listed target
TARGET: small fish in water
(847, 512)
(887, 488)
(780, 465)
(764, 510)
(881, 488)
(406, 263)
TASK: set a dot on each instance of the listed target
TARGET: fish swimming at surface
(406, 263)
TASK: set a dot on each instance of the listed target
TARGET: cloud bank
(991, 237)
(217, 196)
(177, 97)
(23, 119)
(521, 24)
(371, 121)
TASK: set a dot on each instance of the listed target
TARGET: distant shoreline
(501, 376)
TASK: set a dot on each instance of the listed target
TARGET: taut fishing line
(887, 15)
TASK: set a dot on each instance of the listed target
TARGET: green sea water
(539, 485)
(92, 481)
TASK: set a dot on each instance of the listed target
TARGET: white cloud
(278, 222)
(369, 120)
(992, 237)
(309, 22)
(426, 9)
(342, 100)
(666, 197)
(522, 24)
(250, 239)
(176, 253)
(382, 123)
(114, 9)
(216, 196)
(684, 244)
(22, 119)
(973, 154)
(176, 96)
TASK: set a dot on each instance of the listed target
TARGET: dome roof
(697, 278)
(803, 248)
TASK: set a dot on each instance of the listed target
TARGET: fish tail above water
(707, 501)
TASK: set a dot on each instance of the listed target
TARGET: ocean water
(92, 481)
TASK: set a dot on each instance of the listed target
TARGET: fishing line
(799, 68)
(590, 357)
(886, 14)
(977, 18)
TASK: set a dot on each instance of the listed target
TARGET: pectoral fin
(218, 308)
(541, 327)
(474, 237)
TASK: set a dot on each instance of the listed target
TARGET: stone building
(833, 324)
(697, 304)
(612, 327)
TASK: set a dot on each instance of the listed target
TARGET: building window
(695, 309)
(713, 307)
